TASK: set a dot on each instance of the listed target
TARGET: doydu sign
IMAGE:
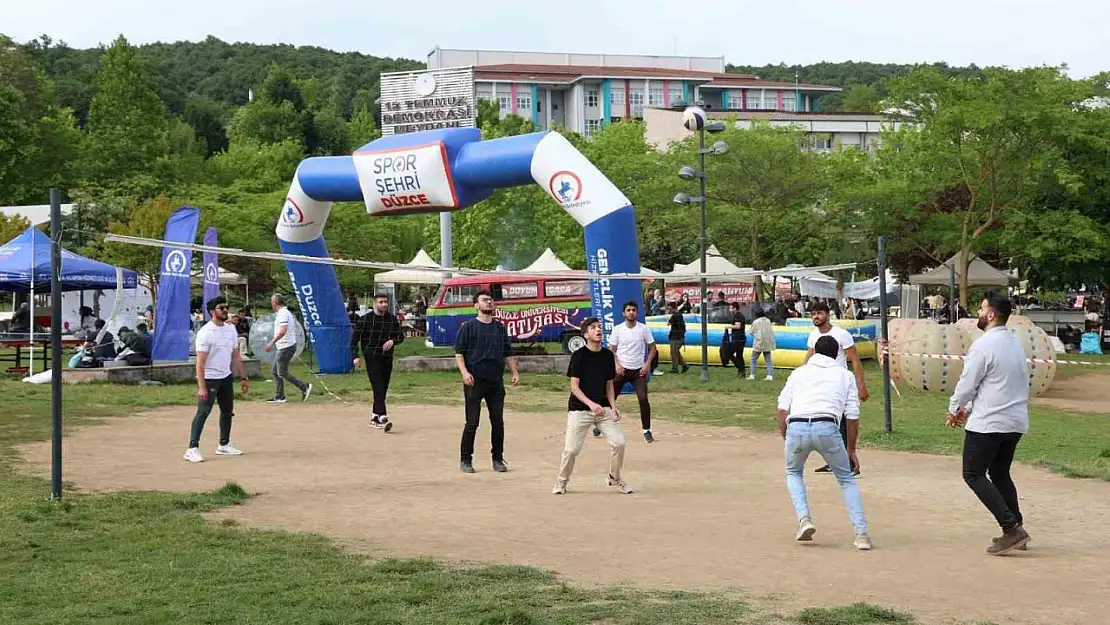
(439, 98)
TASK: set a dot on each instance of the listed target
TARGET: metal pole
(888, 419)
(445, 239)
(56, 341)
(704, 282)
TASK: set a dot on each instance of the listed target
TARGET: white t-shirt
(218, 342)
(842, 336)
(632, 344)
(285, 318)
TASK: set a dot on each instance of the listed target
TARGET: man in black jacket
(374, 337)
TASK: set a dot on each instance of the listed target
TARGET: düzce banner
(172, 318)
(211, 271)
(741, 293)
(530, 322)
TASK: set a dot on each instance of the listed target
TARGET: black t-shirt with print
(593, 370)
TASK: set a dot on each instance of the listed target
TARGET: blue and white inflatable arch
(447, 170)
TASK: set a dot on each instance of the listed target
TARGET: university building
(581, 92)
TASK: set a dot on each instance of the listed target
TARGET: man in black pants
(374, 337)
(217, 351)
(481, 350)
(995, 383)
(739, 339)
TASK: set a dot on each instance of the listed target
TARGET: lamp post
(695, 119)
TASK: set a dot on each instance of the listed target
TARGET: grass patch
(855, 614)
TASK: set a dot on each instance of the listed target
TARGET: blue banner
(171, 317)
(325, 316)
(211, 271)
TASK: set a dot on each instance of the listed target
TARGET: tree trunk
(754, 255)
(965, 262)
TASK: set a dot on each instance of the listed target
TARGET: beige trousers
(579, 424)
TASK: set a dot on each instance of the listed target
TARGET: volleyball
(693, 118)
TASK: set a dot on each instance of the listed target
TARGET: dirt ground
(710, 510)
(1089, 392)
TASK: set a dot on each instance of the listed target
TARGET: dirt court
(710, 510)
(1089, 392)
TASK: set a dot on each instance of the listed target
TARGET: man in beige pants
(593, 401)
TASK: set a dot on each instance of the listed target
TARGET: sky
(1014, 33)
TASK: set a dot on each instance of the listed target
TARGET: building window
(636, 99)
(674, 95)
(505, 102)
(593, 126)
(616, 95)
(655, 97)
(483, 94)
(822, 143)
(591, 97)
(735, 102)
(523, 101)
(789, 103)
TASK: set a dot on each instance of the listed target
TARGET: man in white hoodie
(816, 397)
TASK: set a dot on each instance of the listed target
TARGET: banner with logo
(211, 271)
(171, 317)
(743, 293)
(405, 180)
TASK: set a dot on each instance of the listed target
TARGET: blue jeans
(766, 360)
(824, 438)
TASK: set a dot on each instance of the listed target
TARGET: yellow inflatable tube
(780, 358)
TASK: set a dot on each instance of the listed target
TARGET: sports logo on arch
(291, 214)
(565, 186)
(212, 274)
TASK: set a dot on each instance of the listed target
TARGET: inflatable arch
(447, 170)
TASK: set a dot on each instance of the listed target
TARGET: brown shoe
(1024, 547)
(1011, 539)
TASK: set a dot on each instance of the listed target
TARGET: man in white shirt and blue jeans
(992, 399)
(847, 353)
(634, 347)
(817, 396)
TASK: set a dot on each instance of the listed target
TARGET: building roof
(789, 116)
(567, 74)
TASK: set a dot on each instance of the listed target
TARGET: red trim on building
(627, 99)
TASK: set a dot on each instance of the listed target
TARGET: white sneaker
(769, 378)
(806, 530)
(621, 485)
(751, 377)
(192, 454)
(560, 487)
(657, 372)
(228, 450)
(863, 542)
(307, 393)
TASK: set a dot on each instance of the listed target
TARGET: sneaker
(466, 467)
(863, 542)
(806, 530)
(560, 487)
(381, 422)
(276, 400)
(597, 432)
(657, 372)
(499, 466)
(648, 437)
(228, 450)
(751, 377)
(685, 368)
(824, 469)
(1010, 540)
(621, 485)
(769, 378)
(192, 454)
(306, 393)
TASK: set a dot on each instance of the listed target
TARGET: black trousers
(738, 354)
(992, 454)
(380, 370)
(493, 392)
(220, 392)
(639, 384)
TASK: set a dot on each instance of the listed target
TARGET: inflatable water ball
(898, 329)
(933, 374)
(1037, 345)
(971, 326)
(262, 330)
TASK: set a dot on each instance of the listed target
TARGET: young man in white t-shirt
(285, 339)
(217, 351)
(847, 352)
(634, 347)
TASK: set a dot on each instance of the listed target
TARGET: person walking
(676, 338)
(635, 350)
(373, 340)
(817, 396)
(739, 338)
(217, 347)
(593, 401)
(763, 342)
(847, 352)
(285, 340)
(991, 403)
(482, 349)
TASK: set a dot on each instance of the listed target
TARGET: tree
(12, 226)
(127, 129)
(267, 122)
(995, 139)
(147, 220)
(207, 119)
(861, 99)
(362, 129)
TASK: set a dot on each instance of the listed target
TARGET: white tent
(862, 290)
(714, 264)
(547, 261)
(412, 273)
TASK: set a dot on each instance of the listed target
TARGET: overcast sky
(1015, 33)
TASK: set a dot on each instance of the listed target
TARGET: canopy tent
(715, 264)
(547, 261)
(411, 274)
(799, 271)
(979, 273)
(25, 262)
(862, 290)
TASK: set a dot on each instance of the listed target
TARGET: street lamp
(695, 119)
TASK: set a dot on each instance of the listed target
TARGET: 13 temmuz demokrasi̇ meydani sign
(426, 113)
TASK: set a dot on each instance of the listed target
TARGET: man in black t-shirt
(593, 403)
(676, 337)
(739, 339)
(482, 348)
